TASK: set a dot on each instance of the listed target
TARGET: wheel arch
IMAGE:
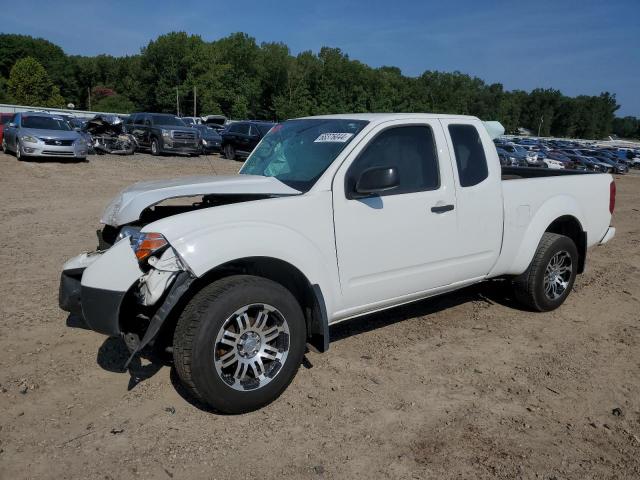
(560, 214)
(570, 226)
(308, 295)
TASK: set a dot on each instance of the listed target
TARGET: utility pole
(89, 96)
(177, 103)
(540, 124)
(194, 100)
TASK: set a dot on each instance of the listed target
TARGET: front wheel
(239, 343)
(19, 154)
(229, 152)
(155, 148)
(546, 284)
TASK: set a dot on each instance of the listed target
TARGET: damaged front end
(128, 287)
(128, 290)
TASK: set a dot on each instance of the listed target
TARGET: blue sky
(579, 47)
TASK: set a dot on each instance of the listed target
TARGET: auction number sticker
(333, 137)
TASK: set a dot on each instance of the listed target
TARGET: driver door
(398, 243)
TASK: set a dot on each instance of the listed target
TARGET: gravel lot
(460, 386)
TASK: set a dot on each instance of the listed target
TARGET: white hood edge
(127, 206)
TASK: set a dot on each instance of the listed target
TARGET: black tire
(229, 152)
(4, 146)
(19, 155)
(155, 147)
(199, 327)
(529, 287)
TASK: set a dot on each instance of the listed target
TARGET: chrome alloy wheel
(557, 275)
(251, 347)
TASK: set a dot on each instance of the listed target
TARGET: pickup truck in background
(163, 133)
(330, 218)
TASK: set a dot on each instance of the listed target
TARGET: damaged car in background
(107, 135)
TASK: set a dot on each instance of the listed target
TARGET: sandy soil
(462, 386)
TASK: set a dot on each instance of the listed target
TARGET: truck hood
(127, 206)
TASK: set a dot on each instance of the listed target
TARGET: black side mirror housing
(376, 180)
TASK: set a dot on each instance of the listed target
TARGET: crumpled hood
(127, 206)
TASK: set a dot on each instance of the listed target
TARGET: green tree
(29, 84)
(114, 104)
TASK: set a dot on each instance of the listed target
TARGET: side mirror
(12, 125)
(77, 129)
(375, 180)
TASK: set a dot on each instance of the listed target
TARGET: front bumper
(180, 146)
(93, 286)
(42, 150)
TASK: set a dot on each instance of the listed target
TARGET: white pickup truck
(330, 218)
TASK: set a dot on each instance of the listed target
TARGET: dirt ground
(461, 386)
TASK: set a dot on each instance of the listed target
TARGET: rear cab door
(478, 184)
(137, 128)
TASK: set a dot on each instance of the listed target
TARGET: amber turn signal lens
(149, 243)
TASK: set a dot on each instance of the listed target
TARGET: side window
(469, 152)
(129, 120)
(148, 120)
(234, 128)
(253, 130)
(243, 128)
(410, 149)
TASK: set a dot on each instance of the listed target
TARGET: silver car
(34, 134)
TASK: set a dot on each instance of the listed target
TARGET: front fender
(206, 249)
(549, 211)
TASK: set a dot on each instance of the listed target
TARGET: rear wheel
(547, 282)
(239, 343)
(229, 152)
(4, 145)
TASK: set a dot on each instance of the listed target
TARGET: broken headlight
(145, 244)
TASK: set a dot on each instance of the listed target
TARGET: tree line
(237, 77)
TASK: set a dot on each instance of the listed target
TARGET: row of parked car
(565, 154)
(42, 134)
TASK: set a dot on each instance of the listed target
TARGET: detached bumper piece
(611, 232)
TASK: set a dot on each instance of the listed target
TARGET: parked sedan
(211, 139)
(240, 138)
(34, 134)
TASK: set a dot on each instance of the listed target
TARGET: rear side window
(410, 149)
(469, 152)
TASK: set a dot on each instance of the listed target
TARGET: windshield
(45, 123)
(167, 120)
(203, 129)
(297, 152)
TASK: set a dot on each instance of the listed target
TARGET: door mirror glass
(375, 180)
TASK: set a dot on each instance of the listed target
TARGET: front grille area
(57, 143)
(184, 135)
(56, 152)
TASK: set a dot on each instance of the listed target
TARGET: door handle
(442, 208)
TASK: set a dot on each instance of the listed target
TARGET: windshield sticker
(333, 137)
